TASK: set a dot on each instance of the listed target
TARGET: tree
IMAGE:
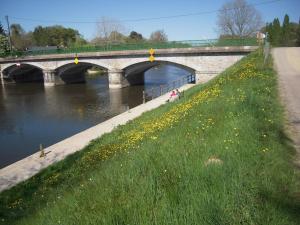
(4, 46)
(40, 36)
(285, 35)
(293, 33)
(54, 36)
(298, 34)
(116, 36)
(268, 30)
(286, 31)
(107, 29)
(2, 31)
(19, 38)
(158, 36)
(16, 29)
(274, 32)
(238, 18)
(135, 36)
(79, 41)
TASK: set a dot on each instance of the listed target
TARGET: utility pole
(8, 29)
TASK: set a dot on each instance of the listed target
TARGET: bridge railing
(117, 46)
(157, 91)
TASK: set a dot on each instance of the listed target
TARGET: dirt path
(287, 64)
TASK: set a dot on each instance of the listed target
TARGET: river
(31, 114)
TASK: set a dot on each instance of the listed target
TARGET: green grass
(155, 169)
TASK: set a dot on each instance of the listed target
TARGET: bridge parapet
(229, 50)
(117, 46)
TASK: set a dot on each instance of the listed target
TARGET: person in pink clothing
(173, 96)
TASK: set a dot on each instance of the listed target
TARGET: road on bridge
(287, 64)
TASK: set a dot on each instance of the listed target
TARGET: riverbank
(30, 115)
(217, 156)
(31, 165)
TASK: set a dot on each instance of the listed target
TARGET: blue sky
(203, 26)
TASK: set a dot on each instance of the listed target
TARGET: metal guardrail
(163, 89)
(117, 46)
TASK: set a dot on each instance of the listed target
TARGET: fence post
(161, 89)
(152, 93)
(144, 97)
(42, 152)
(266, 51)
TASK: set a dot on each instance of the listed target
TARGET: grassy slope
(160, 173)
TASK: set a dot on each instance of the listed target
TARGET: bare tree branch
(159, 36)
(109, 29)
(238, 18)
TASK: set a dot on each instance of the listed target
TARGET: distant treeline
(41, 36)
(62, 37)
(287, 34)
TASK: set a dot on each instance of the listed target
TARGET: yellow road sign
(76, 61)
(151, 58)
(151, 51)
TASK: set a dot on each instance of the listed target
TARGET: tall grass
(217, 156)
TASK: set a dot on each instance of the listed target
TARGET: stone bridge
(124, 68)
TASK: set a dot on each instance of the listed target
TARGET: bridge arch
(34, 64)
(134, 73)
(94, 62)
(23, 72)
(75, 73)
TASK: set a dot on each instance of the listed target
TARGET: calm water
(31, 114)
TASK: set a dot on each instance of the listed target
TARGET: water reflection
(31, 114)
